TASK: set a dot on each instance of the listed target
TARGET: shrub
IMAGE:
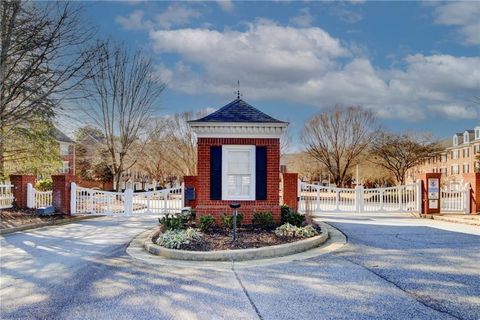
(44, 184)
(291, 231)
(174, 239)
(226, 220)
(292, 217)
(264, 220)
(173, 222)
(206, 222)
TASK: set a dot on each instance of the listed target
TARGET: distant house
(67, 152)
(457, 157)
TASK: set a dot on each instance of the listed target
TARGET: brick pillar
(191, 182)
(61, 192)
(428, 204)
(290, 190)
(19, 182)
(474, 180)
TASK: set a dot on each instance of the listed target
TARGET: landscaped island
(179, 231)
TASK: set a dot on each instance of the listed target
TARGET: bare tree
(337, 137)
(124, 92)
(43, 55)
(400, 152)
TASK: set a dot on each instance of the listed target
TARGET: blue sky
(417, 64)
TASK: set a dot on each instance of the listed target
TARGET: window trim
(225, 150)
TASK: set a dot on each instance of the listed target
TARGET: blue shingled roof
(238, 111)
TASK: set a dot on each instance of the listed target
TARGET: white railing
(85, 200)
(38, 199)
(315, 198)
(455, 200)
(6, 196)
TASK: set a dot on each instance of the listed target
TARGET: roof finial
(238, 90)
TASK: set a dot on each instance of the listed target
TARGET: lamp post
(234, 206)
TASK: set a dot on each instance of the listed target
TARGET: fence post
(30, 196)
(359, 199)
(128, 201)
(466, 192)
(73, 198)
(418, 195)
(165, 199)
(183, 196)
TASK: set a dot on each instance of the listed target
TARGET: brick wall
(425, 203)
(61, 192)
(19, 183)
(474, 180)
(290, 190)
(217, 207)
(107, 185)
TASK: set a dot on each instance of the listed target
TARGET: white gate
(315, 199)
(455, 201)
(6, 196)
(86, 200)
(38, 199)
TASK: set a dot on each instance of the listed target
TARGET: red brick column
(290, 190)
(474, 180)
(19, 183)
(426, 209)
(191, 182)
(61, 192)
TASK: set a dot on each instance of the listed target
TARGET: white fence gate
(455, 201)
(85, 200)
(315, 199)
(6, 196)
(38, 199)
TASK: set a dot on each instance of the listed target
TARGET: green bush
(173, 222)
(226, 220)
(264, 220)
(291, 217)
(206, 223)
(291, 231)
(44, 184)
(174, 239)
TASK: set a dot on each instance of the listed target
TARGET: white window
(66, 167)
(455, 169)
(455, 140)
(466, 168)
(477, 133)
(465, 137)
(64, 149)
(238, 172)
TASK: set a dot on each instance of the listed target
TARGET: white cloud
(308, 66)
(344, 13)
(465, 15)
(226, 5)
(175, 15)
(303, 19)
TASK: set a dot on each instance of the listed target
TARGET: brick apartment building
(458, 157)
(67, 152)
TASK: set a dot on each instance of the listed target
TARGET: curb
(335, 241)
(47, 224)
(447, 218)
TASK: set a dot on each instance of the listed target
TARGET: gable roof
(60, 136)
(238, 111)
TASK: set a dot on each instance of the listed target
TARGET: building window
(64, 149)
(66, 167)
(466, 168)
(477, 133)
(455, 140)
(238, 169)
(465, 137)
(455, 169)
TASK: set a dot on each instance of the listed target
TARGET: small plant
(263, 220)
(206, 223)
(291, 231)
(44, 185)
(291, 217)
(226, 220)
(172, 222)
(174, 239)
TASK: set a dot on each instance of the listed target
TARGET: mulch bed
(10, 218)
(247, 237)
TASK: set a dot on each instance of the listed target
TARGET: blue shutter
(261, 173)
(216, 173)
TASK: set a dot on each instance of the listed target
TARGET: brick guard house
(238, 161)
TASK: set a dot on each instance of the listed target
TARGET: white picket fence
(37, 198)
(315, 199)
(86, 201)
(457, 201)
(6, 196)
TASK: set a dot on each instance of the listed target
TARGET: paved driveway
(393, 267)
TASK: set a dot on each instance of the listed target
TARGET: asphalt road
(393, 267)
